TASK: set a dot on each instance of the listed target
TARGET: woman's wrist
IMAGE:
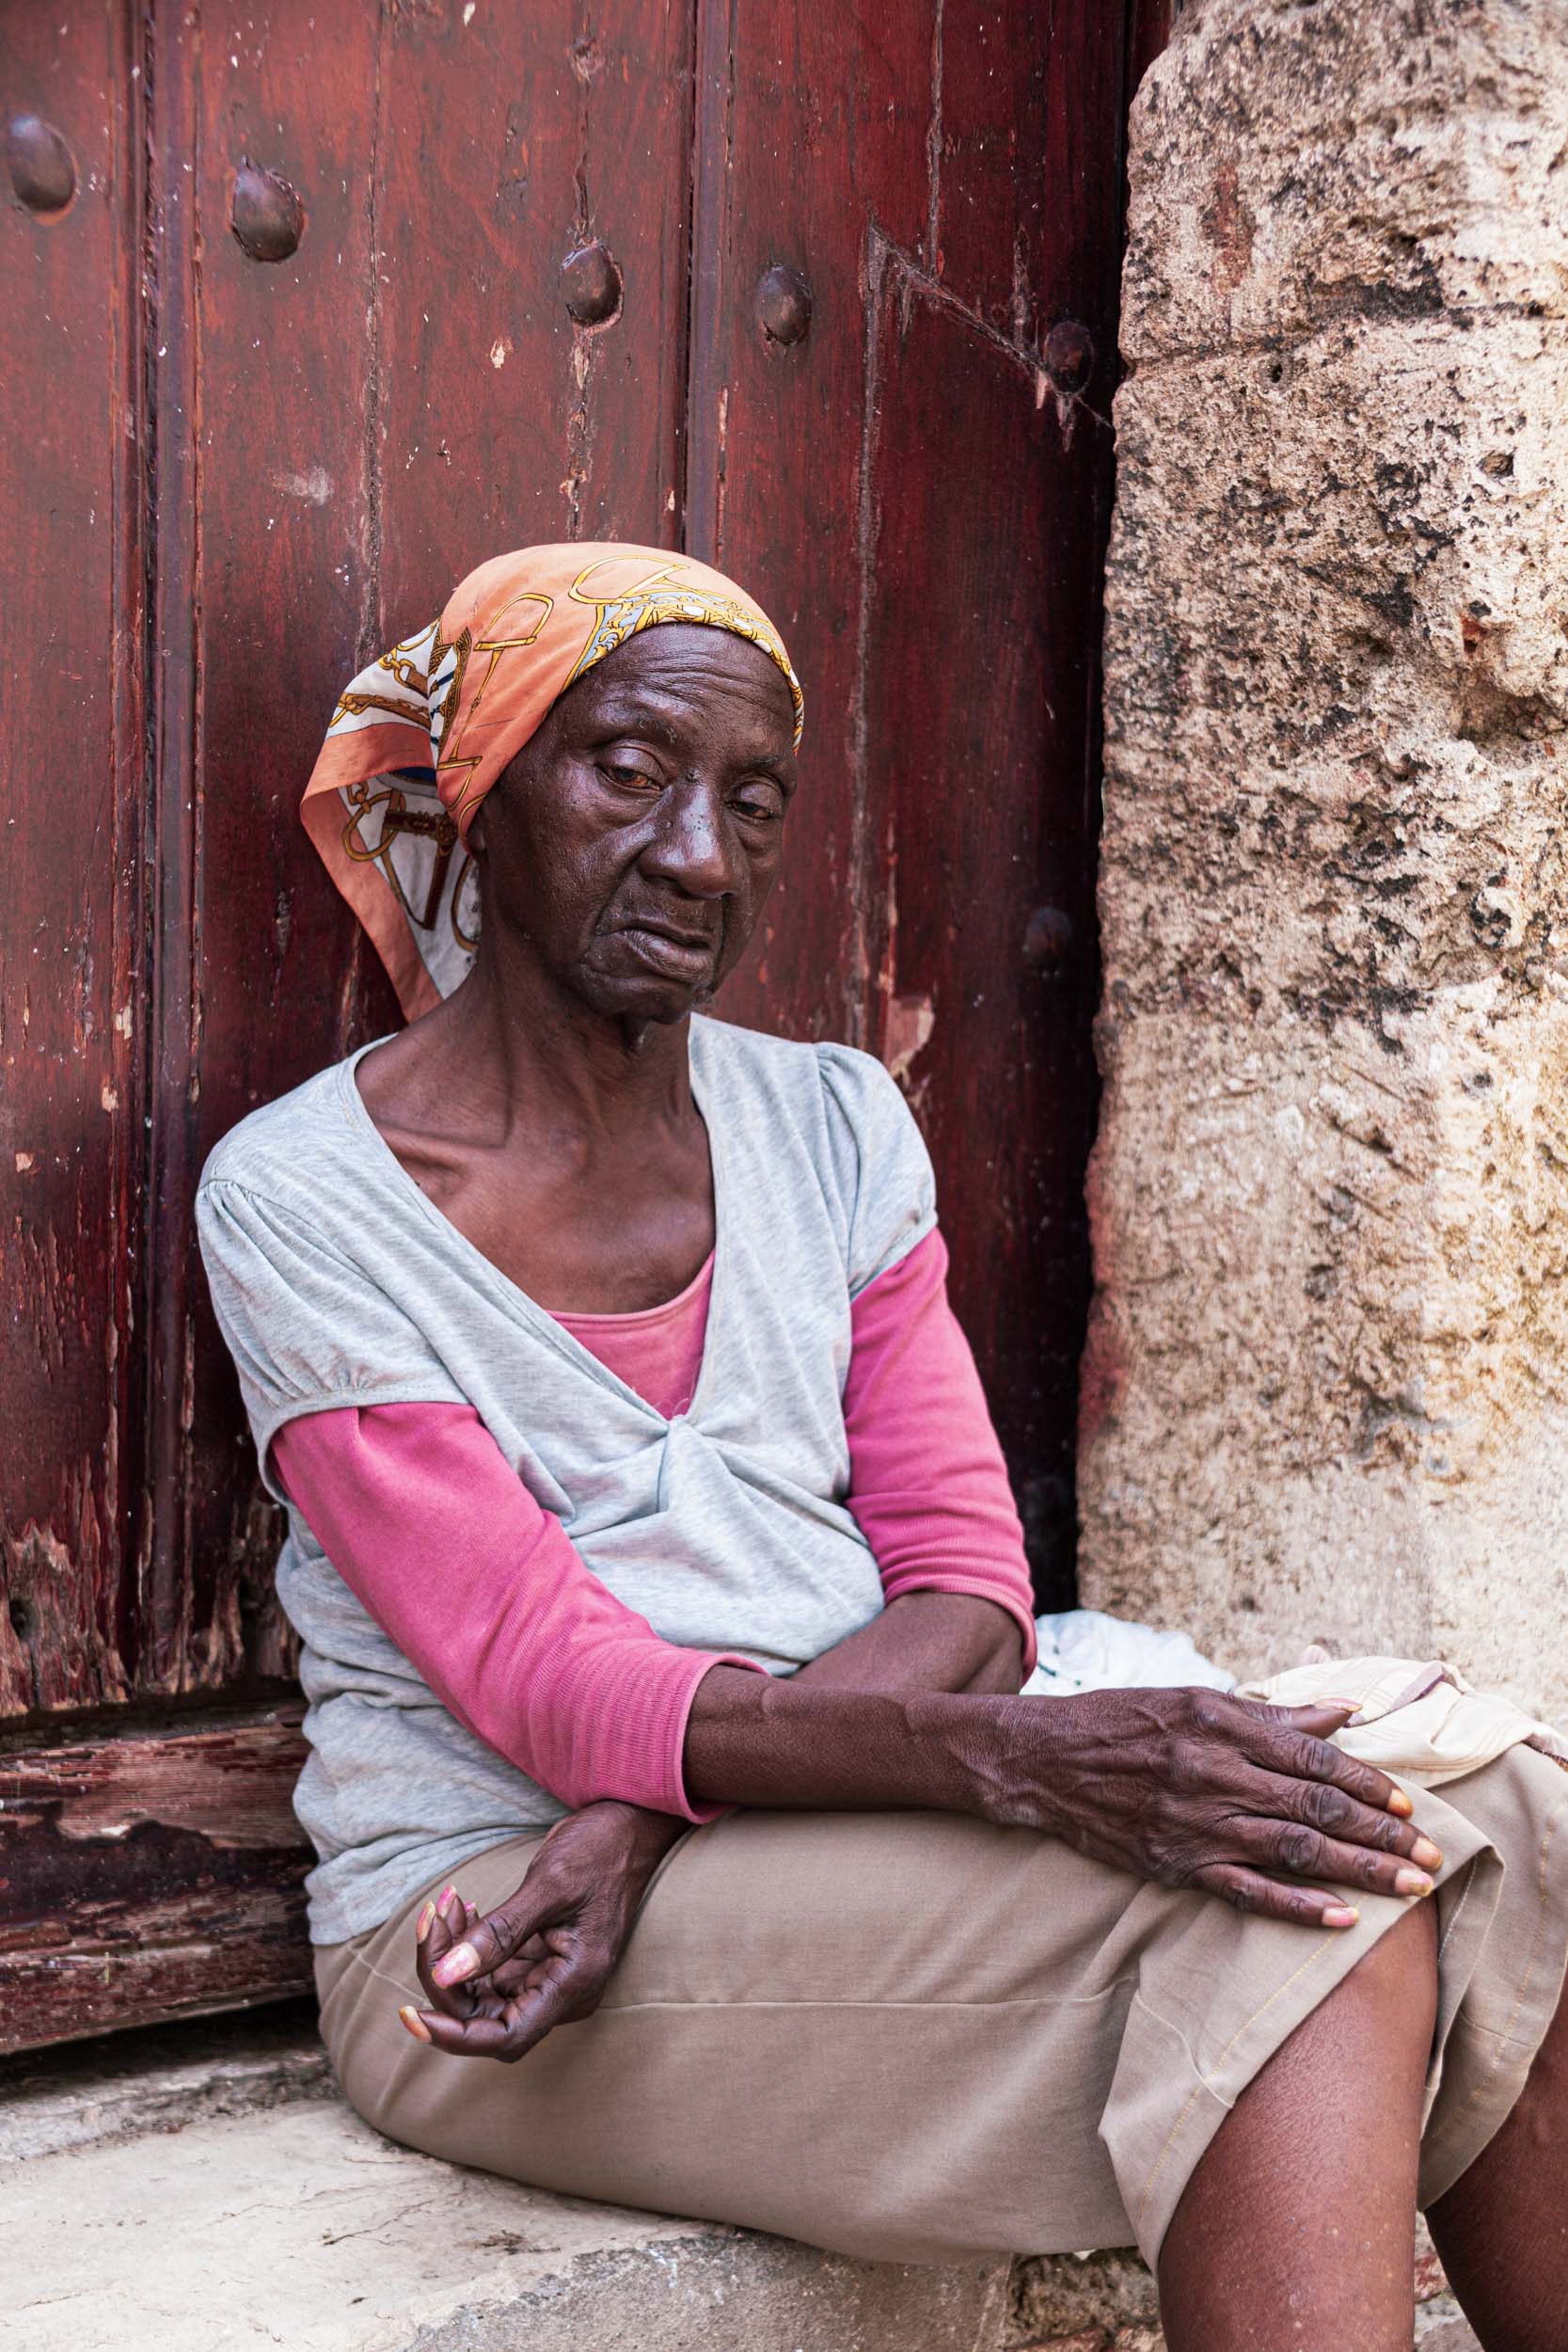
(1003, 1746)
(635, 1837)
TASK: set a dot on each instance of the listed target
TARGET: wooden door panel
(918, 485)
(267, 567)
(851, 336)
(812, 151)
(71, 1033)
(504, 145)
(979, 713)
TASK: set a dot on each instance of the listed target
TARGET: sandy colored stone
(1326, 1386)
(1061, 2295)
(1445, 2330)
(297, 2225)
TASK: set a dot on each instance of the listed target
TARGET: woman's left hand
(495, 1986)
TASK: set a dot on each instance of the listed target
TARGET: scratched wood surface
(71, 1039)
(153, 1875)
(813, 148)
(924, 504)
(830, 301)
(507, 146)
(978, 723)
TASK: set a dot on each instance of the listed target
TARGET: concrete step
(203, 2188)
(231, 2199)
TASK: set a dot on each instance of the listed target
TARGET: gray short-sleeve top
(338, 1282)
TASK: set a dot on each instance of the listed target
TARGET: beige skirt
(912, 2037)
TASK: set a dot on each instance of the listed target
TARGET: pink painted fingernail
(1412, 1882)
(1398, 1803)
(1340, 1915)
(445, 1899)
(461, 1961)
(1427, 1854)
(415, 2022)
(423, 1927)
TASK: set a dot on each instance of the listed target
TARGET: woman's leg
(912, 2036)
(1502, 2229)
(1297, 2225)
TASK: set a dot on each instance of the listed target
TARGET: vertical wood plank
(267, 572)
(920, 489)
(980, 705)
(414, 396)
(983, 662)
(812, 146)
(72, 1025)
(507, 140)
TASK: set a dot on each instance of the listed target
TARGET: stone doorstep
(203, 2187)
(217, 2200)
(159, 2078)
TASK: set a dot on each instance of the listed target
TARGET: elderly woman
(636, 1471)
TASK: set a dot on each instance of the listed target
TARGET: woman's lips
(672, 956)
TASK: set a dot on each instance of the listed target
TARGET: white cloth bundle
(1420, 1720)
(1084, 1649)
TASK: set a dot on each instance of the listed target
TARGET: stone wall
(1327, 1391)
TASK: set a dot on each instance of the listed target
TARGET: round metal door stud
(266, 216)
(591, 285)
(784, 304)
(42, 169)
(1047, 937)
(1069, 355)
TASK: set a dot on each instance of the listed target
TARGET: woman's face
(630, 845)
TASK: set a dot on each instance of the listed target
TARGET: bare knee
(1309, 2187)
(1392, 1991)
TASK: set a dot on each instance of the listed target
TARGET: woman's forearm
(905, 1712)
(754, 1740)
(926, 1641)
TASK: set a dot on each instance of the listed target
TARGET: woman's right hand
(543, 1956)
(1192, 1788)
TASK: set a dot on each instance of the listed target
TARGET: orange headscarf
(424, 732)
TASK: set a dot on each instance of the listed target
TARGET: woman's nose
(692, 847)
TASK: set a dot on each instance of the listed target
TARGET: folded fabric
(1421, 1720)
(1084, 1649)
(1418, 1719)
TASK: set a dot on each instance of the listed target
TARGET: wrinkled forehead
(699, 612)
(675, 677)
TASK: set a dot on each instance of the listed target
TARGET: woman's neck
(571, 1154)
(501, 1057)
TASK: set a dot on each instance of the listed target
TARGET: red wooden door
(309, 311)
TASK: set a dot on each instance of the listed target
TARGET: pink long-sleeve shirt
(519, 1639)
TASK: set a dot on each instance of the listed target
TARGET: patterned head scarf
(418, 740)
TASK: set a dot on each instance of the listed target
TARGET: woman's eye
(632, 779)
(765, 805)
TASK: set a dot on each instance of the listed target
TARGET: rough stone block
(1061, 2297)
(1326, 1386)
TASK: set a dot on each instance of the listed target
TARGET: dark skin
(547, 1110)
